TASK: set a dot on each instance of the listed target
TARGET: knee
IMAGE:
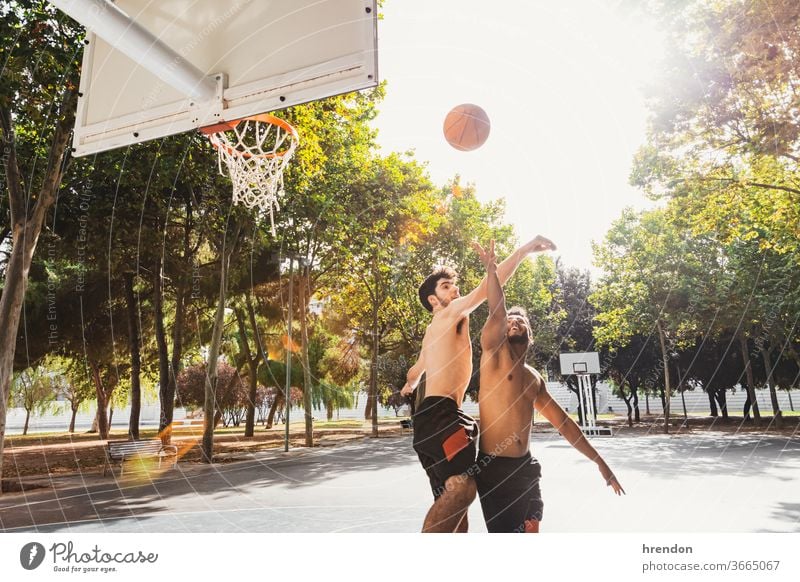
(462, 487)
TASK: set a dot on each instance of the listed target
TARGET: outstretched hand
(539, 244)
(487, 256)
(611, 479)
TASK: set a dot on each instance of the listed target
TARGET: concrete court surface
(709, 482)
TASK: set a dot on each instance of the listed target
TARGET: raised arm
(556, 415)
(467, 304)
(413, 376)
(494, 330)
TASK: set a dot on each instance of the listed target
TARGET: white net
(256, 151)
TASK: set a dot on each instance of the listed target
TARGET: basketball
(466, 127)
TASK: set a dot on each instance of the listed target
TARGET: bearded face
(517, 330)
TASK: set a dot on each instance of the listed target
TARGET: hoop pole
(289, 359)
(587, 404)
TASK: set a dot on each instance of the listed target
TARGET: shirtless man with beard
(507, 475)
(444, 436)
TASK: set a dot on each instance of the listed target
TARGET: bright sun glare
(562, 84)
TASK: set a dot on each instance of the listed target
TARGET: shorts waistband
(430, 402)
(527, 457)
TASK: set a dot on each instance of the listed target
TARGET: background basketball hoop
(255, 150)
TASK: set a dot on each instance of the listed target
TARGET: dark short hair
(428, 286)
(521, 312)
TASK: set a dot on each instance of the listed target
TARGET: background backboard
(579, 363)
(264, 55)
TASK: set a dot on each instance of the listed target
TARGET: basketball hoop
(256, 151)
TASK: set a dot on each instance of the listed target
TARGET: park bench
(406, 424)
(122, 451)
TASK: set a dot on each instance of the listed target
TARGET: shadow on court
(713, 482)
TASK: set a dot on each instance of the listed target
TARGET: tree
(649, 269)
(77, 388)
(231, 392)
(324, 200)
(629, 365)
(35, 389)
(722, 149)
(38, 94)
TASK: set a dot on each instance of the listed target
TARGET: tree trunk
(573, 387)
(748, 404)
(163, 352)
(175, 364)
(329, 410)
(27, 418)
(637, 417)
(277, 403)
(368, 409)
(251, 312)
(102, 401)
(307, 379)
(722, 399)
(627, 402)
(182, 293)
(773, 394)
(209, 407)
(95, 423)
(373, 378)
(72, 420)
(712, 404)
(751, 387)
(667, 388)
(682, 390)
(683, 401)
(133, 344)
(252, 362)
(25, 230)
(13, 295)
(647, 403)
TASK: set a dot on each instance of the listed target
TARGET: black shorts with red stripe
(510, 492)
(445, 440)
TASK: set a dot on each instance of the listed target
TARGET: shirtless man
(444, 437)
(506, 474)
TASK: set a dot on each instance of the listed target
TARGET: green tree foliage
(78, 389)
(722, 152)
(39, 52)
(649, 272)
(35, 390)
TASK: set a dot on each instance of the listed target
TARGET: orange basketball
(466, 127)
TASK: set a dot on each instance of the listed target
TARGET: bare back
(447, 352)
(507, 394)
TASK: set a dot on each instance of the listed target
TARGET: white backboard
(266, 55)
(579, 363)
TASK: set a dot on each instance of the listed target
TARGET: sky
(562, 85)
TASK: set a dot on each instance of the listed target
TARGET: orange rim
(263, 118)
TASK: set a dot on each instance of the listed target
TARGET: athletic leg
(451, 506)
(463, 525)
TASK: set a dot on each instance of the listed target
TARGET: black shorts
(509, 491)
(444, 439)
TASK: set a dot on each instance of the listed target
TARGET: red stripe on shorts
(454, 443)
